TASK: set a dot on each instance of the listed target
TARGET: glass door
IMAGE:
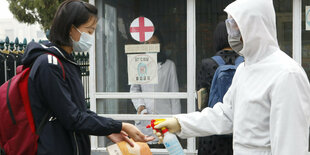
(143, 67)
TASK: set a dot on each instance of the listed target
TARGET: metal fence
(12, 52)
(82, 60)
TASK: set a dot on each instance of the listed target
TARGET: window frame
(297, 31)
(190, 95)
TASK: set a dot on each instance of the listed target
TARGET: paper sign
(142, 68)
(142, 48)
(307, 15)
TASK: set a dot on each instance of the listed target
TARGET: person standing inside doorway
(167, 82)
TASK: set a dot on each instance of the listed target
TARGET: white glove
(172, 124)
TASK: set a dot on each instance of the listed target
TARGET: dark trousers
(215, 145)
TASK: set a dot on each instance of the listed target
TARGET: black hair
(70, 12)
(220, 37)
(161, 56)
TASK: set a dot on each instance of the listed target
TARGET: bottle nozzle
(155, 122)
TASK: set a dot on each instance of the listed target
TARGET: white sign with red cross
(141, 29)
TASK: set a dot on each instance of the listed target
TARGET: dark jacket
(70, 122)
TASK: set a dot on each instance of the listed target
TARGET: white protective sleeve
(210, 121)
(135, 88)
(289, 115)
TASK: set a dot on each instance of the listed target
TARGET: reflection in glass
(107, 58)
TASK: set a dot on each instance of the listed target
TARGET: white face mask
(234, 35)
(84, 44)
(235, 43)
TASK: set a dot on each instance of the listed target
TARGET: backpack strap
(219, 60)
(62, 67)
(239, 60)
(8, 102)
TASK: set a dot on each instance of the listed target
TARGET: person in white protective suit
(267, 107)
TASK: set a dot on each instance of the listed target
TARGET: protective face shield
(84, 44)
(234, 35)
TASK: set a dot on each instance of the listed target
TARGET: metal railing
(82, 60)
(10, 58)
(12, 52)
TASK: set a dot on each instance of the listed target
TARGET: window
(305, 38)
(113, 33)
(111, 94)
(210, 13)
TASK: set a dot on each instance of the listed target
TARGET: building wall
(12, 28)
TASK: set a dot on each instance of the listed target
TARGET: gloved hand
(172, 124)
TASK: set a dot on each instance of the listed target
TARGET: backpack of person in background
(18, 134)
(222, 79)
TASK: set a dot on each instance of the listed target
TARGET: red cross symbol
(141, 29)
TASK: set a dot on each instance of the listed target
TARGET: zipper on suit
(76, 143)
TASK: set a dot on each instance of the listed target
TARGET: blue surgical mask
(84, 44)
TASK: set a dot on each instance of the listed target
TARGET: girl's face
(88, 27)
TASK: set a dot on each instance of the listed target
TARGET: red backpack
(18, 134)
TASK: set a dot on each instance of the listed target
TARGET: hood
(257, 23)
(33, 50)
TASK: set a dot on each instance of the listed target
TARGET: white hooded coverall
(267, 106)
